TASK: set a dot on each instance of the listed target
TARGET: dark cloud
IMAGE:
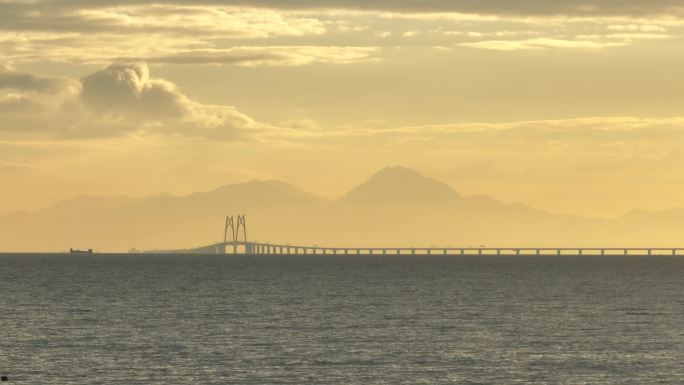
(199, 58)
(517, 7)
(128, 88)
(119, 100)
(12, 79)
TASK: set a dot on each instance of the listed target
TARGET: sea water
(196, 319)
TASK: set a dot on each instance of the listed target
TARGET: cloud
(18, 104)
(14, 80)
(101, 33)
(252, 32)
(142, 17)
(556, 7)
(502, 7)
(541, 43)
(125, 99)
(270, 56)
(122, 99)
(637, 28)
(128, 89)
(128, 94)
(574, 138)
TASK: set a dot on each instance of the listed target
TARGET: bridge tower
(230, 224)
(241, 224)
(235, 228)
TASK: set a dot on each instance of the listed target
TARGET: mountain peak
(399, 185)
(396, 172)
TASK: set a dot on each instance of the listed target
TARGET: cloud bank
(125, 99)
(122, 99)
(531, 7)
(252, 32)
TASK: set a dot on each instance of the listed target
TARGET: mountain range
(394, 207)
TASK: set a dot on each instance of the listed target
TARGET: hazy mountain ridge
(393, 185)
(396, 206)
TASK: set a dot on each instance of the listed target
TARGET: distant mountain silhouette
(399, 185)
(395, 206)
(117, 223)
(82, 204)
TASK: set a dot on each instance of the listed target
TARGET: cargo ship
(77, 251)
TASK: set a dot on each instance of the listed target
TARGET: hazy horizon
(326, 198)
(395, 207)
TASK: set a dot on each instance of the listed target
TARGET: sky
(571, 106)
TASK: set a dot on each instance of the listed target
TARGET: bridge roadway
(258, 248)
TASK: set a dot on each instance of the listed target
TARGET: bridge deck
(267, 248)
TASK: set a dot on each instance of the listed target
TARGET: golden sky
(568, 105)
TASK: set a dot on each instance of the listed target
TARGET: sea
(215, 319)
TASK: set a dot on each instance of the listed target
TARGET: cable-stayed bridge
(235, 242)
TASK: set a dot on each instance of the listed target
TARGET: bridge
(238, 244)
(258, 248)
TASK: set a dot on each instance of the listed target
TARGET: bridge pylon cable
(241, 223)
(230, 223)
(235, 232)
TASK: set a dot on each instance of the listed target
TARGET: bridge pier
(255, 248)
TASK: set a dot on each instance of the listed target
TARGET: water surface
(172, 319)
